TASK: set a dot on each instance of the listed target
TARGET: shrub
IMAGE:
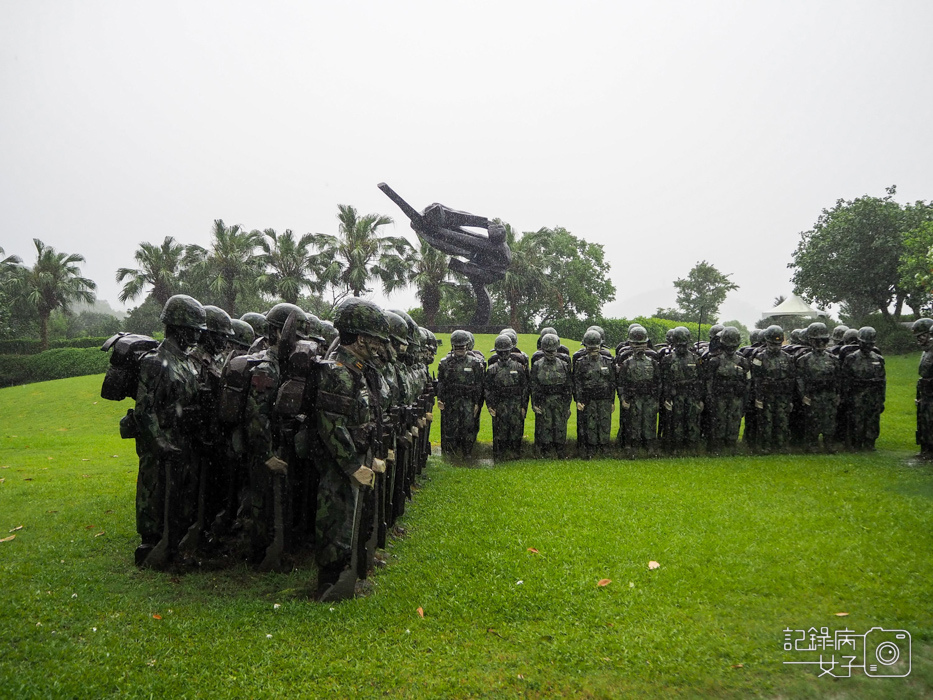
(52, 364)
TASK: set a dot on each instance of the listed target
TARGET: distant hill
(100, 306)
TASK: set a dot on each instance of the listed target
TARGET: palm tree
(358, 254)
(523, 281)
(290, 265)
(431, 275)
(53, 283)
(159, 267)
(230, 269)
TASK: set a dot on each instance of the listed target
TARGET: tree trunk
(430, 304)
(43, 331)
(899, 306)
(885, 313)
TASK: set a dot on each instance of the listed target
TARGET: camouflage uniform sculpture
(726, 375)
(346, 416)
(506, 388)
(863, 382)
(551, 394)
(681, 393)
(594, 389)
(639, 386)
(459, 392)
(167, 485)
(773, 386)
(923, 332)
(818, 387)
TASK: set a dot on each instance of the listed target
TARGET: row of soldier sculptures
(275, 434)
(677, 396)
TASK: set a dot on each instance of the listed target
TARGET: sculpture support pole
(483, 303)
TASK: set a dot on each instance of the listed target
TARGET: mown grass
(748, 546)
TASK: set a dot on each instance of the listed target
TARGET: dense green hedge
(31, 346)
(617, 328)
(52, 364)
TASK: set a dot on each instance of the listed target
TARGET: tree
(53, 282)
(853, 254)
(159, 267)
(554, 275)
(290, 265)
(358, 255)
(9, 266)
(916, 266)
(431, 276)
(229, 271)
(702, 292)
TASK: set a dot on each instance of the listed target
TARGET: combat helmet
(256, 321)
(774, 335)
(459, 339)
(182, 310)
(314, 327)
(278, 314)
(867, 335)
(398, 329)
(922, 326)
(550, 343)
(838, 333)
(410, 322)
(362, 317)
(218, 320)
(638, 336)
(680, 335)
(754, 336)
(512, 334)
(503, 343)
(592, 339)
(730, 338)
(330, 333)
(817, 331)
(243, 334)
(850, 337)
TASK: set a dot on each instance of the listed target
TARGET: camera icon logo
(887, 653)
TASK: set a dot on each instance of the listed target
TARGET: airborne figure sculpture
(487, 257)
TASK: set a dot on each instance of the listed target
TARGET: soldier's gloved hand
(414, 431)
(390, 456)
(492, 412)
(475, 410)
(701, 405)
(379, 466)
(806, 400)
(524, 411)
(759, 404)
(440, 405)
(363, 476)
(668, 405)
(536, 409)
(421, 422)
(580, 406)
(626, 405)
(612, 408)
(429, 417)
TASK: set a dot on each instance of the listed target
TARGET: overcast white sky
(670, 132)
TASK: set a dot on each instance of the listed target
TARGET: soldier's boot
(161, 554)
(272, 561)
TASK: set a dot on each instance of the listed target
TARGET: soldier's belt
(551, 389)
(508, 391)
(925, 388)
(821, 385)
(457, 390)
(777, 386)
(643, 387)
(866, 382)
(598, 394)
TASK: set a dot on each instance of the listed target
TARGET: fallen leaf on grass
(17, 528)
(533, 550)
(653, 565)
(85, 476)
(2, 480)
(85, 459)
(521, 677)
(100, 533)
(114, 455)
(837, 614)
(28, 478)
(51, 511)
(604, 582)
(88, 527)
(7, 539)
(157, 616)
(738, 665)
(420, 612)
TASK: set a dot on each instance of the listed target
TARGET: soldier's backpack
(122, 376)
(298, 391)
(234, 387)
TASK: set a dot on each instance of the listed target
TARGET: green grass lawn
(504, 562)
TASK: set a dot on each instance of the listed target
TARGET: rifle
(345, 585)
